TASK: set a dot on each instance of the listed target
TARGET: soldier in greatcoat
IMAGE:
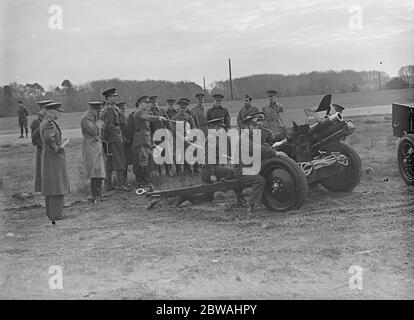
(92, 150)
(55, 180)
(37, 141)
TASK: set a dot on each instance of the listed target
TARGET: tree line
(75, 97)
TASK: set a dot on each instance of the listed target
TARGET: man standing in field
(22, 115)
(115, 159)
(272, 115)
(138, 129)
(55, 180)
(247, 110)
(127, 142)
(92, 151)
(37, 141)
(218, 111)
(199, 113)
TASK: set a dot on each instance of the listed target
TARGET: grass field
(348, 100)
(119, 250)
(373, 140)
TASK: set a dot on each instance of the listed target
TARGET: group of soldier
(113, 140)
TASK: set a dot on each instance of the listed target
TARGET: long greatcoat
(92, 151)
(37, 141)
(55, 179)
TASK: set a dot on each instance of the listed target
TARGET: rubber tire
(409, 137)
(350, 177)
(299, 179)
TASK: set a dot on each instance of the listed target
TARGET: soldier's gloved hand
(59, 150)
(163, 119)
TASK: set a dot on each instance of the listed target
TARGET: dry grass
(373, 140)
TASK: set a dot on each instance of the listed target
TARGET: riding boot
(93, 190)
(98, 188)
(108, 181)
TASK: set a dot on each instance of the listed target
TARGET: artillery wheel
(406, 158)
(286, 186)
(349, 178)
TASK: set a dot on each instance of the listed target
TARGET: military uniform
(155, 110)
(139, 131)
(55, 180)
(244, 112)
(126, 141)
(218, 111)
(171, 113)
(199, 114)
(188, 124)
(112, 135)
(37, 141)
(22, 115)
(273, 120)
(92, 151)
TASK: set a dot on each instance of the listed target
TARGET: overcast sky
(186, 40)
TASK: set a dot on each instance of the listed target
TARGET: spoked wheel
(286, 186)
(406, 158)
(350, 176)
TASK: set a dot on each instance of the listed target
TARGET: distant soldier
(272, 115)
(127, 142)
(218, 111)
(22, 115)
(55, 180)
(171, 112)
(138, 123)
(112, 135)
(188, 120)
(92, 151)
(37, 141)
(248, 109)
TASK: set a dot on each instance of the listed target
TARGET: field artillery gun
(403, 128)
(310, 154)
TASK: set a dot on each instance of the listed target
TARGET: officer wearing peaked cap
(138, 131)
(246, 110)
(92, 150)
(112, 135)
(218, 111)
(37, 141)
(199, 112)
(272, 114)
(55, 180)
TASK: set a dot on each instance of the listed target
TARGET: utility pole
(231, 84)
(204, 85)
(379, 78)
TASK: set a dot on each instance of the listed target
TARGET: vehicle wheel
(406, 158)
(349, 178)
(286, 186)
